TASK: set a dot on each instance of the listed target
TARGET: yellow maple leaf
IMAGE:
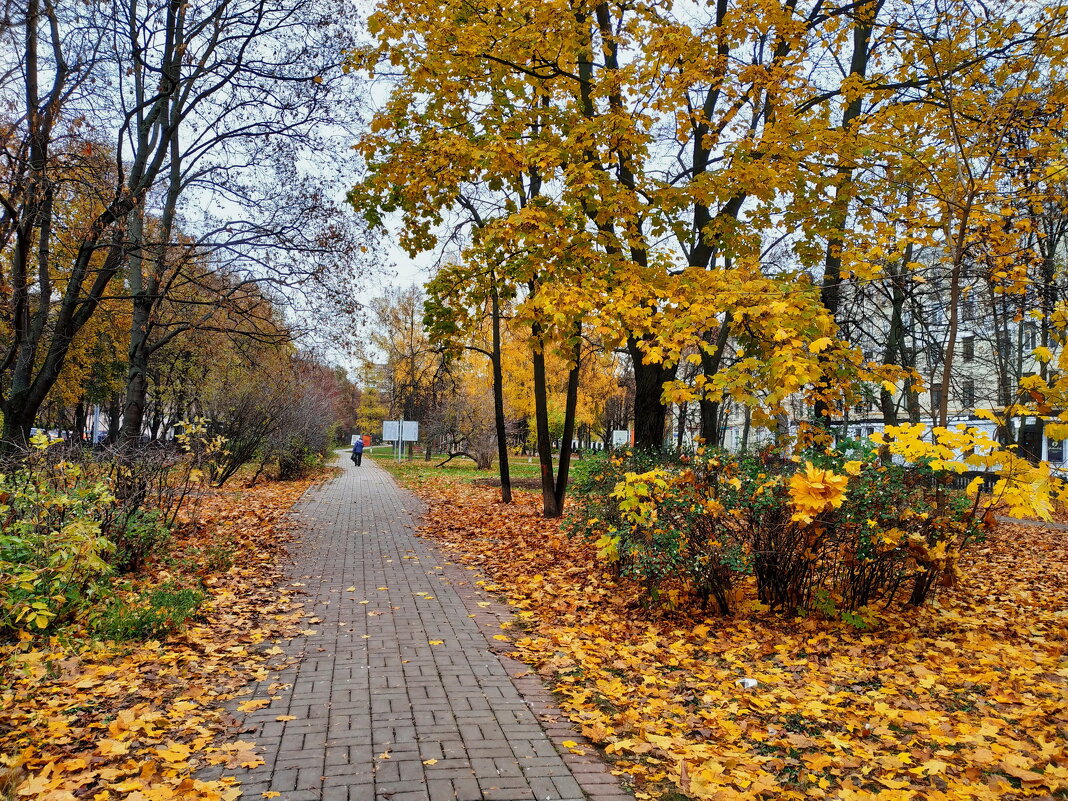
(109, 747)
(174, 752)
(815, 490)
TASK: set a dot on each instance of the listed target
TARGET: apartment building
(994, 346)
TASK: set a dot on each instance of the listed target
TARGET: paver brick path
(373, 700)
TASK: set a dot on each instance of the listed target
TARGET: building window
(968, 348)
(968, 395)
(968, 311)
(936, 398)
(1032, 337)
(1055, 450)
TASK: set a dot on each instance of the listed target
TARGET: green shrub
(829, 532)
(70, 519)
(148, 615)
(53, 549)
(654, 525)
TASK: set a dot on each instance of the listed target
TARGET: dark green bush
(137, 536)
(295, 458)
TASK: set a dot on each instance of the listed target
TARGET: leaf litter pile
(89, 720)
(964, 699)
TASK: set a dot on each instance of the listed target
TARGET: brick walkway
(399, 695)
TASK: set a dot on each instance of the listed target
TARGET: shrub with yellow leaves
(659, 526)
(832, 532)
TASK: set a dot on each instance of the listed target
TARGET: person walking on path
(357, 450)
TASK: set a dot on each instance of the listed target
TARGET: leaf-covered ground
(86, 720)
(967, 698)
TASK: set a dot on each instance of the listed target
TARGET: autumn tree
(656, 162)
(407, 359)
(59, 58)
(116, 116)
(461, 302)
(259, 99)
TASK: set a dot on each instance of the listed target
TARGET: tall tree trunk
(157, 420)
(570, 406)
(830, 288)
(145, 286)
(894, 352)
(554, 487)
(650, 413)
(114, 419)
(710, 363)
(137, 371)
(498, 396)
(541, 426)
(80, 419)
(912, 393)
(959, 246)
(680, 434)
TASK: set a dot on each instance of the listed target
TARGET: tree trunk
(80, 418)
(942, 418)
(157, 420)
(570, 405)
(680, 434)
(710, 363)
(145, 289)
(894, 353)
(498, 398)
(541, 427)
(650, 413)
(133, 417)
(114, 419)
(830, 287)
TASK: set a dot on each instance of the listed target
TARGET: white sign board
(409, 431)
(354, 438)
(620, 438)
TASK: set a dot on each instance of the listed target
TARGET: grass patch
(149, 615)
(459, 469)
